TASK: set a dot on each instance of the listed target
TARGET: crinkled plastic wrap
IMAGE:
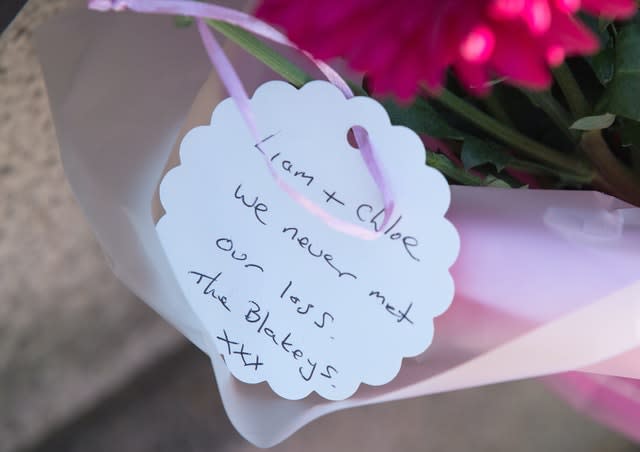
(546, 281)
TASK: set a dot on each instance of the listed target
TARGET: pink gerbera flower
(402, 43)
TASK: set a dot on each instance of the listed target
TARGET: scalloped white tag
(285, 298)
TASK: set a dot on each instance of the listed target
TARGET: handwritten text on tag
(285, 298)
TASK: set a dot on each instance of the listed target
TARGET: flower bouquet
(532, 94)
(526, 107)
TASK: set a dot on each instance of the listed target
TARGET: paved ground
(69, 331)
(174, 407)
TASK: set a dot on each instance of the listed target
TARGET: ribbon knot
(108, 5)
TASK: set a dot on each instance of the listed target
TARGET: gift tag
(285, 298)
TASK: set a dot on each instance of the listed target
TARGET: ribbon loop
(236, 90)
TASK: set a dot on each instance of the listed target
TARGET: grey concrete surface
(86, 366)
(69, 332)
(174, 407)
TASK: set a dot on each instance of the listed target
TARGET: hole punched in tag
(351, 136)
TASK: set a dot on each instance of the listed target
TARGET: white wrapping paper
(546, 281)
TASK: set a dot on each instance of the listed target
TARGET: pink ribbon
(236, 90)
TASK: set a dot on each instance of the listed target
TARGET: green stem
(552, 108)
(493, 104)
(270, 57)
(289, 71)
(580, 170)
(570, 88)
(622, 182)
(449, 169)
(538, 169)
(535, 168)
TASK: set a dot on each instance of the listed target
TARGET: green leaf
(630, 136)
(603, 65)
(603, 62)
(421, 117)
(449, 169)
(493, 181)
(630, 133)
(521, 143)
(594, 122)
(476, 152)
(460, 175)
(622, 96)
(553, 109)
(598, 25)
(183, 21)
